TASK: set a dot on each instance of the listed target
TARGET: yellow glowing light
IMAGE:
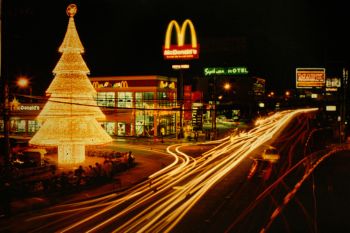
(71, 113)
(71, 41)
(271, 94)
(71, 10)
(22, 82)
(180, 33)
(227, 86)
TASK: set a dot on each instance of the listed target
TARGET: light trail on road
(288, 197)
(159, 203)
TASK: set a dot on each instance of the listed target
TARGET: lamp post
(181, 98)
(180, 94)
(214, 97)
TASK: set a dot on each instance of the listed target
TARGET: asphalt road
(231, 204)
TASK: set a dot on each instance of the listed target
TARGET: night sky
(271, 38)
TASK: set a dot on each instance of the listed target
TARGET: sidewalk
(144, 167)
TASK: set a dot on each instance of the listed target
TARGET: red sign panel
(187, 103)
(181, 52)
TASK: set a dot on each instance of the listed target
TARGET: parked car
(30, 157)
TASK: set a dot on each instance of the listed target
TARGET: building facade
(133, 105)
(137, 105)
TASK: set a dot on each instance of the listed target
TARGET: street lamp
(271, 94)
(227, 86)
(23, 82)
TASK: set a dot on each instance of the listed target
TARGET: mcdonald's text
(181, 52)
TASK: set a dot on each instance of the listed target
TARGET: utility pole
(344, 102)
(213, 122)
(6, 106)
(181, 98)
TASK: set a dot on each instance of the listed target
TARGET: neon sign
(122, 84)
(209, 71)
(181, 50)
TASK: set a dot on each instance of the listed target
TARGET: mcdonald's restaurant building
(133, 105)
(137, 105)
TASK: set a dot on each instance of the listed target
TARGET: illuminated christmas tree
(71, 113)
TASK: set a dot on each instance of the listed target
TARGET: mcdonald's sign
(180, 50)
(122, 84)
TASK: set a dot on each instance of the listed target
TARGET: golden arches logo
(181, 50)
(180, 33)
(95, 85)
(124, 84)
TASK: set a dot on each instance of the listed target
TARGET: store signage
(180, 67)
(28, 108)
(310, 77)
(15, 105)
(331, 89)
(122, 84)
(165, 84)
(180, 51)
(210, 71)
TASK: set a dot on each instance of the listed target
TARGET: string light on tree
(71, 113)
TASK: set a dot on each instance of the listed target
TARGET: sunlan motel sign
(210, 71)
(180, 51)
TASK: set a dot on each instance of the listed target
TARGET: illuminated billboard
(180, 51)
(332, 84)
(310, 77)
(331, 108)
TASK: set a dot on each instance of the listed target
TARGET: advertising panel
(187, 102)
(332, 84)
(310, 77)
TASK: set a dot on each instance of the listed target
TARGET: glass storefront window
(109, 127)
(166, 98)
(148, 98)
(138, 99)
(110, 98)
(140, 123)
(33, 126)
(18, 126)
(125, 99)
(106, 99)
(121, 128)
(144, 100)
